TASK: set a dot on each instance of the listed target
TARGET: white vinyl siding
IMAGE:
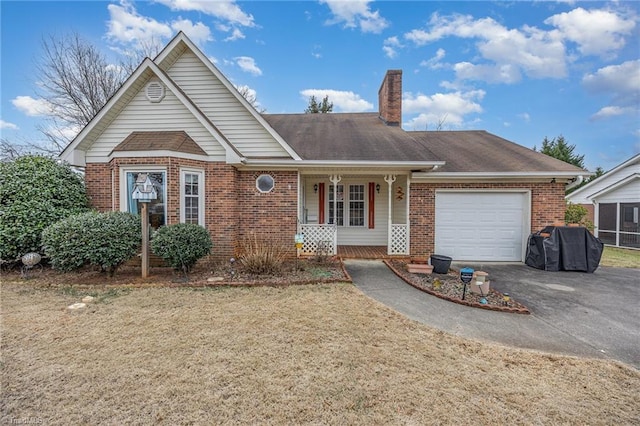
(352, 235)
(625, 193)
(142, 115)
(603, 182)
(223, 109)
(482, 226)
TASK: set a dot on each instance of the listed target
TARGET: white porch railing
(319, 235)
(398, 239)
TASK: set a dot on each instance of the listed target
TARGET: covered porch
(354, 215)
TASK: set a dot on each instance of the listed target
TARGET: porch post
(334, 180)
(389, 179)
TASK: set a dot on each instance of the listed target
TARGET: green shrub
(106, 240)
(181, 245)
(35, 192)
(263, 254)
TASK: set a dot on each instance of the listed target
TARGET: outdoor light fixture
(378, 188)
(315, 187)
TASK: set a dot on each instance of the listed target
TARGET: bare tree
(76, 80)
(9, 151)
(250, 96)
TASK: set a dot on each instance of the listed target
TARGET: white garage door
(481, 226)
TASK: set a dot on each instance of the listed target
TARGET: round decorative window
(265, 183)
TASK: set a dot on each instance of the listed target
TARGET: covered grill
(564, 248)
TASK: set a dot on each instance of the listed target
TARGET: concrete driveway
(594, 315)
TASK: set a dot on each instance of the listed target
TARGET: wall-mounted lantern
(378, 188)
(315, 188)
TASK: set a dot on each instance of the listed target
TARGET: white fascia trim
(332, 164)
(66, 152)
(614, 186)
(182, 37)
(620, 166)
(494, 175)
(159, 153)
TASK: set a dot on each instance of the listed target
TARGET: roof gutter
(578, 180)
(493, 175)
(339, 164)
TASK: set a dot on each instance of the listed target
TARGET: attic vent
(154, 91)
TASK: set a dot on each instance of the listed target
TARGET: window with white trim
(192, 196)
(355, 213)
(157, 208)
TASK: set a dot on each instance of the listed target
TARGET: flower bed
(451, 288)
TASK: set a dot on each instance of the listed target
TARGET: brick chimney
(390, 98)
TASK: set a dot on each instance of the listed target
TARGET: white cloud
(227, 10)
(612, 111)
(509, 51)
(356, 13)
(450, 108)
(390, 45)
(621, 83)
(248, 64)
(525, 117)
(434, 63)
(32, 107)
(236, 34)
(7, 125)
(127, 26)
(199, 33)
(597, 32)
(344, 101)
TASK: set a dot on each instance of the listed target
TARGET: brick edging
(523, 310)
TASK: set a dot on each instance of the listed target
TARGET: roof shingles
(177, 141)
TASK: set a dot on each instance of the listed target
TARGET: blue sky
(521, 70)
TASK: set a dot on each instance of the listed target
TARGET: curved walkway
(593, 315)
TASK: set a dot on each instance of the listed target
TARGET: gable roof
(585, 190)
(614, 186)
(178, 141)
(146, 70)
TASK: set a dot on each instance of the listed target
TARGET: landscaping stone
(88, 299)
(215, 279)
(77, 306)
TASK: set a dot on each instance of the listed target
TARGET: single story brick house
(351, 179)
(613, 203)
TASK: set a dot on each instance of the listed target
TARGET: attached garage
(482, 226)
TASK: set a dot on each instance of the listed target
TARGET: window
(192, 196)
(356, 205)
(265, 183)
(157, 207)
(355, 213)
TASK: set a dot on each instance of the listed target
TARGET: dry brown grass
(303, 354)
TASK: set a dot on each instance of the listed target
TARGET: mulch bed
(451, 288)
(206, 273)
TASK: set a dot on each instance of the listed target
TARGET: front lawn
(323, 354)
(619, 257)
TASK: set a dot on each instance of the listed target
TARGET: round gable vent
(154, 91)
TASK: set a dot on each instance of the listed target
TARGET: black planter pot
(440, 263)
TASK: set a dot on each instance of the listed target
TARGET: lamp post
(144, 192)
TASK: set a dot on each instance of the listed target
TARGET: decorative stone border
(523, 310)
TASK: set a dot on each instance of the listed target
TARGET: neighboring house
(341, 179)
(613, 202)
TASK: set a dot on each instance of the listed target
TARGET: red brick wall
(547, 208)
(272, 215)
(233, 205)
(390, 98)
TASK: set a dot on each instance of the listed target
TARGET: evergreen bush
(35, 191)
(181, 245)
(106, 240)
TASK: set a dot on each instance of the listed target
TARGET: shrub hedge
(106, 240)
(181, 245)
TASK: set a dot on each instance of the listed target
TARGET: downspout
(577, 181)
(389, 179)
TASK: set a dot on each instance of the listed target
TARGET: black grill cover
(567, 248)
